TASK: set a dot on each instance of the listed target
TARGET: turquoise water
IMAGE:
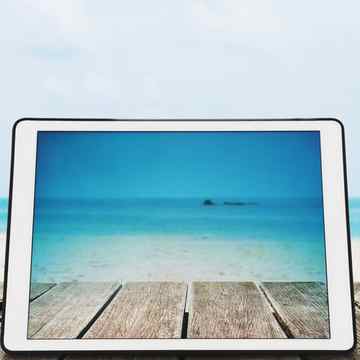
(3, 214)
(172, 239)
(355, 218)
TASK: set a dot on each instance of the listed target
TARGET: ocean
(179, 239)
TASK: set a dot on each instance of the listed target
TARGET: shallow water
(173, 239)
(179, 240)
(354, 209)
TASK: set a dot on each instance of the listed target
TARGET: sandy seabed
(355, 256)
(355, 248)
(2, 254)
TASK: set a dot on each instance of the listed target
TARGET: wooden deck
(179, 310)
(158, 310)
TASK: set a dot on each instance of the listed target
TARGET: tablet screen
(178, 235)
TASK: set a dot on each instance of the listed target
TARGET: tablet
(178, 236)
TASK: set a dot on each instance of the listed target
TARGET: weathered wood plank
(38, 289)
(230, 310)
(338, 356)
(356, 287)
(302, 307)
(354, 355)
(143, 310)
(357, 293)
(223, 356)
(4, 356)
(356, 352)
(152, 356)
(66, 309)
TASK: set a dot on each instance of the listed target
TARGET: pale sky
(190, 58)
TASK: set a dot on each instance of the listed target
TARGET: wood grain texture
(38, 289)
(66, 309)
(139, 356)
(339, 356)
(243, 357)
(143, 310)
(353, 355)
(356, 351)
(230, 310)
(301, 307)
(357, 293)
(4, 356)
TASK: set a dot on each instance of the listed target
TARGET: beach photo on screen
(178, 235)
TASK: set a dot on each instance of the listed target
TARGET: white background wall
(190, 58)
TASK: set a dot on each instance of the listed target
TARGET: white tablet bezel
(20, 238)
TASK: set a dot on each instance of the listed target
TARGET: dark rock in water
(236, 203)
(239, 203)
(209, 202)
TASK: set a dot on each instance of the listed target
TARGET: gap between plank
(277, 316)
(185, 324)
(44, 292)
(99, 312)
(185, 318)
